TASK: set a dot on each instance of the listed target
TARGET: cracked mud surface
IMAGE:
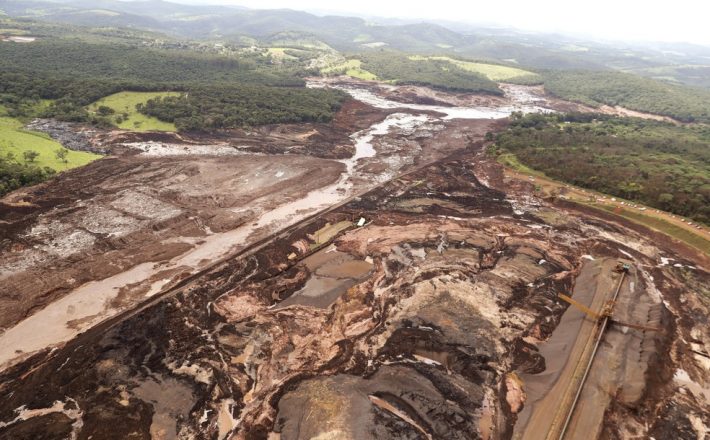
(427, 322)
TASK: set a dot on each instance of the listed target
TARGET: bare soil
(434, 324)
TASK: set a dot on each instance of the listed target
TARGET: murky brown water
(170, 399)
(333, 273)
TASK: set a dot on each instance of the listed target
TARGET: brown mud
(430, 322)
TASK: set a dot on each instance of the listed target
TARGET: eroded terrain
(422, 304)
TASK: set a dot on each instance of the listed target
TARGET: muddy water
(521, 102)
(52, 325)
(332, 273)
(89, 304)
(170, 399)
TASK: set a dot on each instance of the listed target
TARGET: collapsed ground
(428, 321)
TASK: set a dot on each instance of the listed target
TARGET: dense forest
(50, 70)
(686, 104)
(658, 164)
(209, 108)
(438, 74)
(133, 62)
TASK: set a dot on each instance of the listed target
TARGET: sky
(649, 20)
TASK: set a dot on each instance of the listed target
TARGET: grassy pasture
(16, 140)
(127, 117)
(352, 68)
(494, 72)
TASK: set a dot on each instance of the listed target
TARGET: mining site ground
(244, 303)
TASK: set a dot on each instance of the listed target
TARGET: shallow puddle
(170, 399)
(333, 273)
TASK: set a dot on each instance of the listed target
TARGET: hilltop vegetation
(210, 108)
(74, 74)
(494, 72)
(439, 74)
(658, 164)
(595, 88)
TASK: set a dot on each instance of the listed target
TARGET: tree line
(228, 106)
(655, 163)
(595, 88)
(438, 74)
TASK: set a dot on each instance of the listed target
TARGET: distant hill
(673, 63)
(209, 22)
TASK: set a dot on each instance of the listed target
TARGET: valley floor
(375, 277)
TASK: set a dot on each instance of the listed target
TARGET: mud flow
(374, 277)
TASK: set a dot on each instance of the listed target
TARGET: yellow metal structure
(606, 311)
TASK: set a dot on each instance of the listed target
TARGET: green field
(124, 104)
(15, 140)
(12, 31)
(279, 53)
(352, 68)
(493, 72)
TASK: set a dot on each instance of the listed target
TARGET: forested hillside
(686, 104)
(439, 74)
(655, 163)
(228, 106)
(74, 74)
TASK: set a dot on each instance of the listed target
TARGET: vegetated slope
(494, 72)
(75, 74)
(229, 106)
(15, 175)
(15, 141)
(28, 157)
(595, 88)
(352, 68)
(438, 74)
(689, 74)
(658, 164)
(120, 108)
(70, 58)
